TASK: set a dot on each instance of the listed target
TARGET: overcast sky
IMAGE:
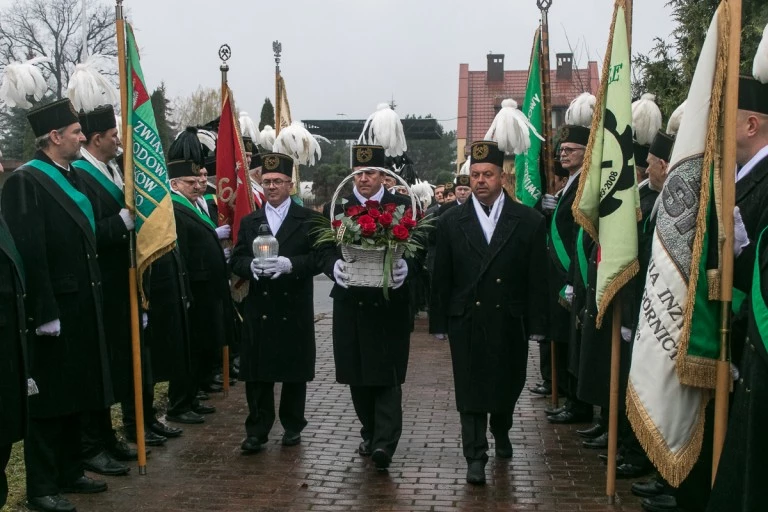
(346, 56)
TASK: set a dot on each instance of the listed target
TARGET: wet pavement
(204, 470)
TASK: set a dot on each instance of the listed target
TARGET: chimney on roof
(564, 66)
(495, 67)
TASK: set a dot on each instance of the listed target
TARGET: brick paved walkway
(203, 470)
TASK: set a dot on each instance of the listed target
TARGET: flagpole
(132, 282)
(224, 54)
(277, 48)
(730, 106)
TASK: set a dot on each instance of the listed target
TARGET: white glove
(276, 266)
(127, 219)
(536, 337)
(255, 268)
(52, 328)
(399, 273)
(569, 294)
(144, 319)
(548, 203)
(441, 337)
(32, 387)
(626, 333)
(740, 236)
(338, 274)
(224, 232)
(227, 253)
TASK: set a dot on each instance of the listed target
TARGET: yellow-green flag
(607, 203)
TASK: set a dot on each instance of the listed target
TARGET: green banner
(527, 175)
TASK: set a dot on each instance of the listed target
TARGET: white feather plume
(646, 119)
(580, 110)
(88, 88)
(464, 168)
(267, 137)
(23, 79)
(760, 64)
(423, 192)
(384, 128)
(296, 141)
(511, 129)
(674, 120)
(207, 138)
(248, 128)
(119, 121)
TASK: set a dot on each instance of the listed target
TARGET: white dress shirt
(744, 171)
(376, 197)
(276, 215)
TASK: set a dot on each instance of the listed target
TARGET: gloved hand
(52, 328)
(440, 336)
(32, 387)
(626, 333)
(548, 203)
(740, 236)
(338, 274)
(276, 266)
(227, 253)
(144, 319)
(125, 215)
(569, 294)
(399, 273)
(224, 232)
(255, 268)
(536, 337)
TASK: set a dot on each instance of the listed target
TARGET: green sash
(6, 241)
(75, 195)
(114, 190)
(177, 198)
(562, 254)
(759, 309)
(210, 197)
(583, 263)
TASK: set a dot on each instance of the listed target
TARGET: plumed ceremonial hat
(368, 155)
(641, 154)
(255, 161)
(101, 119)
(486, 151)
(52, 116)
(753, 91)
(462, 180)
(662, 144)
(183, 169)
(277, 162)
(574, 134)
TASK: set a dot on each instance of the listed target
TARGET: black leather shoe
(291, 438)
(204, 409)
(189, 418)
(103, 464)
(660, 503)
(251, 445)
(52, 503)
(219, 379)
(162, 429)
(84, 485)
(381, 459)
(649, 488)
(202, 395)
(150, 438)
(503, 446)
(598, 443)
(123, 452)
(629, 470)
(212, 387)
(542, 388)
(592, 432)
(604, 458)
(476, 473)
(364, 450)
(570, 416)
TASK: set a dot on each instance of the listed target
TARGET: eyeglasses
(568, 151)
(191, 181)
(277, 183)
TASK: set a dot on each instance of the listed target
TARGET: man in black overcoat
(371, 335)
(279, 328)
(13, 346)
(489, 296)
(53, 225)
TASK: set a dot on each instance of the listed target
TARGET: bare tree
(53, 28)
(198, 108)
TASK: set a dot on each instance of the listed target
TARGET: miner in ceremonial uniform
(279, 338)
(492, 257)
(13, 347)
(371, 335)
(53, 225)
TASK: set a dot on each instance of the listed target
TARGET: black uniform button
(360, 303)
(498, 280)
(284, 319)
(264, 293)
(285, 294)
(263, 317)
(477, 303)
(498, 306)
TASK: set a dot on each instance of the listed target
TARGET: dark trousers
(473, 432)
(96, 432)
(380, 410)
(5, 456)
(52, 454)
(182, 393)
(129, 411)
(261, 407)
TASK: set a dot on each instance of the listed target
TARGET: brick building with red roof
(481, 93)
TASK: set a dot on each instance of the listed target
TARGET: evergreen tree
(161, 107)
(267, 114)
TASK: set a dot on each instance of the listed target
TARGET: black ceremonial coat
(13, 344)
(371, 336)
(559, 316)
(114, 260)
(58, 248)
(211, 317)
(279, 330)
(489, 298)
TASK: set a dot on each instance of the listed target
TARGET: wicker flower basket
(365, 266)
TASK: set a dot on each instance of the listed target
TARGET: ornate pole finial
(277, 47)
(225, 52)
(544, 5)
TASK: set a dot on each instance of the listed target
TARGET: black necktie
(486, 209)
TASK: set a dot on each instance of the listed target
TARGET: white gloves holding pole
(52, 328)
